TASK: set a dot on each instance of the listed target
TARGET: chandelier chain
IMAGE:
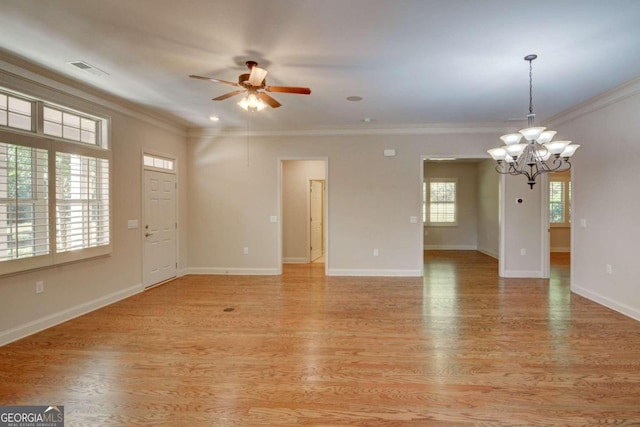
(530, 86)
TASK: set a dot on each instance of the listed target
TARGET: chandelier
(539, 154)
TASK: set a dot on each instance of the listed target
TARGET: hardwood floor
(460, 346)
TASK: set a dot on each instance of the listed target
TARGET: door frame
(143, 208)
(279, 250)
(324, 201)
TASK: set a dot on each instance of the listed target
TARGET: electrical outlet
(245, 250)
(39, 287)
(609, 269)
(376, 252)
(523, 251)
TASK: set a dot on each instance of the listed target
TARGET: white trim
(232, 271)
(605, 99)
(450, 247)
(607, 302)
(545, 230)
(24, 76)
(489, 253)
(51, 320)
(502, 238)
(523, 274)
(298, 260)
(436, 129)
(374, 273)
(182, 272)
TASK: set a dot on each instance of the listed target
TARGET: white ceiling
(414, 62)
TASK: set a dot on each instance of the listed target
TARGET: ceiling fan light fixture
(252, 103)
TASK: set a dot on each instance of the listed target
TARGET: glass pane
(53, 129)
(70, 120)
(19, 121)
(71, 133)
(3, 118)
(88, 137)
(88, 125)
(3, 102)
(52, 115)
(148, 161)
(19, 106)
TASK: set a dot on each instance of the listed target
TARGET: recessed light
(367, 120)
(214, 118)
(354, 98)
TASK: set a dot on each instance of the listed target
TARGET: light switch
(413, 219)
(132, 223)
(273, 218)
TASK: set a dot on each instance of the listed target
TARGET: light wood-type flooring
(457, 347)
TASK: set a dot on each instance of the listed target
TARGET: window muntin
(157, 162)
(442, 205)
(71, 126)
(24, 212)
(16, 112)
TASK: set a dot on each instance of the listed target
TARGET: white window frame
(427, 202)
(566, 179)
(53, 145)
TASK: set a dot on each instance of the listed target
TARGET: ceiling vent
(88, 68)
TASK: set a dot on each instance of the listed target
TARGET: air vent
(88, 68)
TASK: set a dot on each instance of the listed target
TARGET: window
(54, 194)
(67, 125)
(560, 199)
(155, 162)
(15, 112)
(82, 202)
(24, 209)
(440, 207)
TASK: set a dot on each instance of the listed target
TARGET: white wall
(295, 207)
(488, 208)
(370, 197)
(606, 197)
(73, 289)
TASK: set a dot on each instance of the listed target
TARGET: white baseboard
(561, 249)
(295, 261)
(522, 274)
(450, 247)
(183, 272)
(489, 253)
(373, 273)
(234, 271)
(43, 323)
(622, 308)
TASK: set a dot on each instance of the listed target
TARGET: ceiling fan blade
(289, 89)
(257, 76)
(227, 95)
(214, 80)
(268, 99)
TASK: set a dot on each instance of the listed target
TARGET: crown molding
(434, 129)
(598, 102)
(22, 75)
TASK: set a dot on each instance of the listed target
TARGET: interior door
(160, 227)
(316, 211)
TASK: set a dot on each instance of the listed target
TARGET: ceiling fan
(252, 84)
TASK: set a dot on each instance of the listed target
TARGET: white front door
(160, 228)
(316, 210)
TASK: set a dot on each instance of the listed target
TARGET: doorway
(316, 219)
(303, 207)
(160, 260)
